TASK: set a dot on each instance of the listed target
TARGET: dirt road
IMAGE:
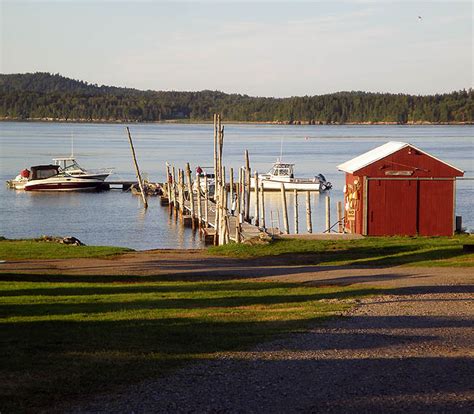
(198, 265)
(410, 351)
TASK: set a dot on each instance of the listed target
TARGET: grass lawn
(33, 249)
(369, 251)
(67, 336)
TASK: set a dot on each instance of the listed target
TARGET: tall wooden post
(172, 187)
(237, 209)
(242, 191)
(181, 188)
(328, 214)
(247, 176)
(309, 224)
(225, 223)
(223, 198)
(262, 214)
(284, 209)
(238, 190)
(206, 201)
(221, 142)
(217, 213)
(296, 212)
(198, 194)
(168, 184)
(137, 170)
(190, 192)
(257, 201)
(215, 149)
(339, 217)
(237, 229)
(231, 184)
(178, 190)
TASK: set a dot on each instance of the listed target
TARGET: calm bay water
(116, 218)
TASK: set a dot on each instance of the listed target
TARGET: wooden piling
(309, 224)
(262, 214)
(178, 189)
(247, 176)
(215, 148)
(231, 185)
(190, 192)
(284, 209)
(168, 184)
(296, 212)
(237, 210)
(242, 192)
(328, 214)
(137, 170)
(181, 190)
(172, 187)
(206, 202)
(199, 200)
(257, 202)
(238, 190)
(339, 217)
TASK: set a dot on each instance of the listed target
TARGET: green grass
(67, 336)
(33, 249)
(369, 251)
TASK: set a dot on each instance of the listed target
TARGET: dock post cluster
(221, 215)
(220, 209)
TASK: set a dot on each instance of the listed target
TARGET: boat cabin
(40, 172)
(280, 169)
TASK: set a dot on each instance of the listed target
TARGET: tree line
(52, 96)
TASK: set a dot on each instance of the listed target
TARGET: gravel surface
(410, 352)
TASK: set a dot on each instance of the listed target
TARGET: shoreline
(199, 122)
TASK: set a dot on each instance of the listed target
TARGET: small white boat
(211, 181)
(64, 175)
(283, 173)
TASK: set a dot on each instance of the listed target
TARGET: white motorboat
(64, 175)
(283, 173)
(70, 166)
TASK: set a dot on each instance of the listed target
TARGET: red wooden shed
(398, 189)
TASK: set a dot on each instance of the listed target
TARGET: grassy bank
(67, 336)
(370, 251)
(34, 249)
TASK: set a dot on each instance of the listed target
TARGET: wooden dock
(238, 229)
(220, 209)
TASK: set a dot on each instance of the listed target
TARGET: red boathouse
(398, 189)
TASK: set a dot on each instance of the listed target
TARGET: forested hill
(54, 97)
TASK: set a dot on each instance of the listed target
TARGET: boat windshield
(67, 164)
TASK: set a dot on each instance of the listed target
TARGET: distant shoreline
(186, 121)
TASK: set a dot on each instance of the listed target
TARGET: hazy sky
(258, 48)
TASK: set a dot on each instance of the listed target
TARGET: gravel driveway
(408, 352)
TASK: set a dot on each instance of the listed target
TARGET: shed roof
(379, 153)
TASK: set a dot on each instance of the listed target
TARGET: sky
(266, 48)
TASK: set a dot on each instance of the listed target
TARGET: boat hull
(68, 184)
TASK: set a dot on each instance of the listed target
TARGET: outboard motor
(325, 185)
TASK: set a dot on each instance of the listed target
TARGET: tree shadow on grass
(136, 303)
(365, 256)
